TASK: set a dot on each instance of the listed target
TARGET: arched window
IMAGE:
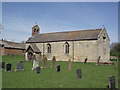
(66, 47)
(48, 48)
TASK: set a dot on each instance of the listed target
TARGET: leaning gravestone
(58, 68)
(85, 61)
(2, 65)
(37, 70)
(112, 82)
(20, 66)
(78, 72)
(98, 60)
(8, 67)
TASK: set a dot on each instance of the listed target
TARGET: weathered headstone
(58, 68)
(85, 60)
(37, 70)
(2, 65)
(79, 74)
(69, 65)
(112, 82)
(53, 62)
(20, 66)
(8, 67)
(98, 60)
(44, 61)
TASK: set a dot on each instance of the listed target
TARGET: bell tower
(35, 30)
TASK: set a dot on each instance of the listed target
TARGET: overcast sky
(18, 18)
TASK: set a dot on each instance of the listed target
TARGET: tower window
(48, 48)
(104, 37)
(34, 30)
(67, 47)
(37, 30)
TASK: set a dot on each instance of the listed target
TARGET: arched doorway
(30, 55)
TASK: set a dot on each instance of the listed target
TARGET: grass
(92, 76)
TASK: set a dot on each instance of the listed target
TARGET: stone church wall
(79, 50)
(104, 46)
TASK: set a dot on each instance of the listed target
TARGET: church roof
(90, 34)
(34, 48)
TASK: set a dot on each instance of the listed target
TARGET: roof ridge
(89, 34)
(68, 31)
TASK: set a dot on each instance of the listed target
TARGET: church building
(74, 45)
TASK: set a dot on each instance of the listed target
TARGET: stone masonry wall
(78, 50)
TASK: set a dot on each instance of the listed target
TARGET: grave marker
(37, 70)
(58, 68)
(98, 60)
(112, 82)
(85, 60)
(20, 66)
(53, 62)
(44, 61)
(69, 65)
(8, 67)
(78, 72)
(35, 64)
(2, 65)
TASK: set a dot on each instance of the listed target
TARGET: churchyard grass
(92, 76)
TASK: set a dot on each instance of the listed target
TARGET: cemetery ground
(93, 76)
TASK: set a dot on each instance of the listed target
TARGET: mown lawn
(92, 76)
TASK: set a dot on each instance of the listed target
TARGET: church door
(30, 55)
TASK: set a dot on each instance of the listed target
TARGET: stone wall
(78, 50)
(104, 46)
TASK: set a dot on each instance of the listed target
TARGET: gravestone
(85, 60)
(37, 70)
(2, 65)
(78, 72)
(35, 64)
(53, 62)
(8, 67)
(58, 68)
(98, 60)
(20, 66)
(112, 82)
(69, 65)
(44, 61)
